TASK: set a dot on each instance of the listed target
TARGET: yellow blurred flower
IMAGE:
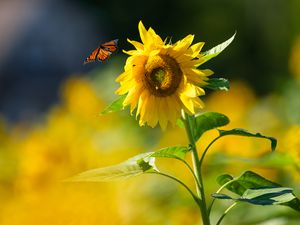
(74, 205)
(80, 98)
(161, 78)
(35, 159)
(292, 143)
(71, 139)
(235, 104)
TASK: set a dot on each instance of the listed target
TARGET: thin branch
(206, 149)
(225, 213)
(217, 192)
(195, 197)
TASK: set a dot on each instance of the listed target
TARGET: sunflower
(160, 79)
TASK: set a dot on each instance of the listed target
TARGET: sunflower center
(163, 75)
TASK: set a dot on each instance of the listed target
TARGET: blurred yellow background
(72, 137)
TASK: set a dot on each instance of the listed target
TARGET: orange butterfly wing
(93, 56)
(110, 46)
(103, 52)
(103, 55)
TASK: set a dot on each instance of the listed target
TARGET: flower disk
(160, 79)
(162, 75)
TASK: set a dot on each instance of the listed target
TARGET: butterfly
(103, 52)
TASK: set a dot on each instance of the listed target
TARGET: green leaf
(263, 196)
(246, 181)
(134, 166)
(115, 106)
(207, 121)
(242, 132)
(294, 204)
(258, 190)
(218, 84)
(215, 50)
(223, 179)
(177, 152)
(268, 195)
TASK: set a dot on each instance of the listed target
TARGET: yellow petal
(196, 48)
(169, 109)
(173, 52)
(198, 81)
(183, 58)
(150, 108)
(139, 46)
(199, 91)
(130, 52)
(163, 112)
(207, 72)
(125, 86)
(128, 64)
(173, 108)
(187, 103)
(194, 72)
(132, 98)
(122, 76)
(142, 100)
(143, 33)
(157, 41)
(154, 53)
(189, 63)
(190, 91)
(196, 76)
(183, 44)
(122, 90)
(198, 103)
(152, 111)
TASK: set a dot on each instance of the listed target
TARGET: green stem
(195, 197)
(197, 170)
(225, 213)
(201, 163)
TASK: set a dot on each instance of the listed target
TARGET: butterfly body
(103, 52)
